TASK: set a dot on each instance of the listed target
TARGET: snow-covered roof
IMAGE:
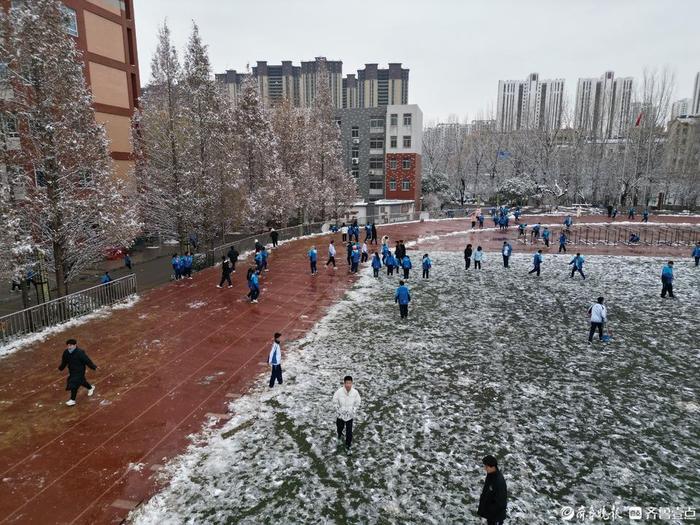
(389, 202)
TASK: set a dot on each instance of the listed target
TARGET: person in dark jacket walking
(374, 234)
(493, 502)
(400, 252)
(76, 360)
(233, 257)
(467, 256)
(402, 297)
(274, 236)
(127, 261)
(225, 273)
(275, 361)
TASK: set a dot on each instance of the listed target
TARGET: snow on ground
(37, 337)
(489, 362)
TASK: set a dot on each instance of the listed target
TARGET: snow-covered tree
(292, 127)
(209, 170)
(158, 134)
(72, 206)
(268, 194)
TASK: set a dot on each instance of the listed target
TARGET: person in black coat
(226, 270)
(374, 234)
(400, 251)
(274, 236)
(494, 497)
(467, 256)
(233, 257)
(76, 360)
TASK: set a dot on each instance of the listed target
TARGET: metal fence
(63, 309)
(611, 234)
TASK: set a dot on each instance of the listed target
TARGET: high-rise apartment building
(382, 87)
(297, 83)
(695, 109)
(105, 33)
(681, 108)
(602, 106)
(529, 104)
(371, 87)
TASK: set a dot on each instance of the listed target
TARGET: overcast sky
(457, 50)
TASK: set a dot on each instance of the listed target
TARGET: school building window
(392, 185)
(406, 119)
(394, 141)
(406, 164)
(407, 141)
(392, 164)
(71, 20)
(394, 119)
(376, 164)
(406, 185)
(376, 143)
(355, 132)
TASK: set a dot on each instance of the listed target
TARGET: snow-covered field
(488, 362)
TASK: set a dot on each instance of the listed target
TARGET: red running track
(164, 364)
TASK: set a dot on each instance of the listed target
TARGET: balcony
(376, 172)
(376, 130)
(376, 151)
(373, 191)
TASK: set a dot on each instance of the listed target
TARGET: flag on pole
(639, 119)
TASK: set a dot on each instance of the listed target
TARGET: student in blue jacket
(427, 265)
(537, 261)
(390, 263)
(577, 263)
(403, 297)
(355, 260)
(313, 258)
(264, 254)
(562, 242)
(376, 264)
(259, 261)
(696, 254)
(187, 265)
(545, 236)
(667, 280)
(254, 286)
(406, 265)
(177, 266)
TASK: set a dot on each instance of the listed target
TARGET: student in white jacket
(599, 316)
(331, 254)
(275, 361)
(346, 400)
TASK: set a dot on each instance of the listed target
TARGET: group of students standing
(182, 265)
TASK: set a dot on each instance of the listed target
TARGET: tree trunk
(59, 258)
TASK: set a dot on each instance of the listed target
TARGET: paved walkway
(165, 366)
